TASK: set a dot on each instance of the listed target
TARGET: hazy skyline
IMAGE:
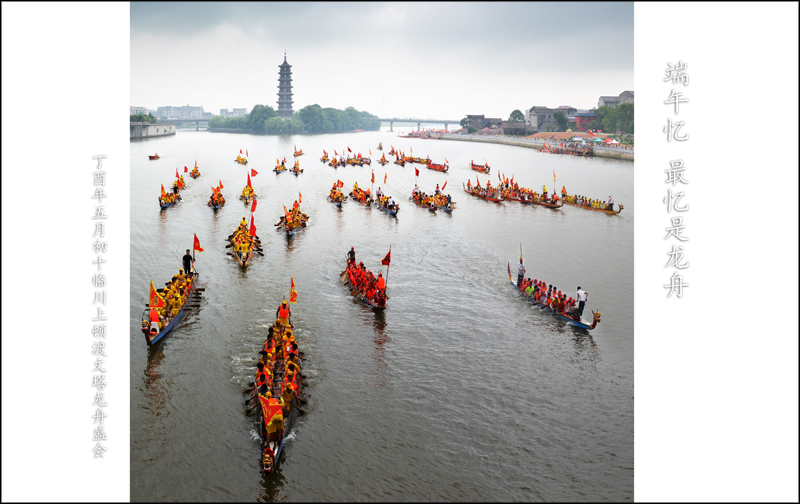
(429, 60)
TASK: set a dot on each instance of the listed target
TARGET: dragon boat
(486, 197)
(384, 208)
(480, 168)
(438, 167)
(153, 157)
(612, 212)
(280, 169)
(379, 303)
(298, 153)
(184, 310)
(572, 319)
(548, 203)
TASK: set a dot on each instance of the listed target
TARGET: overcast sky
(428, 60)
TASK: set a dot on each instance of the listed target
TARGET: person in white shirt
(520, 273)
(611, 203)
(581, 296)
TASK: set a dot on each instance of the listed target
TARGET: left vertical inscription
(99, 281)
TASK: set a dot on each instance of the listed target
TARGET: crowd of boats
(276, 391)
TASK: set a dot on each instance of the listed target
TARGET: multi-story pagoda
(285, 90)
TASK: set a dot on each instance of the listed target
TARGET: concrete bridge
(181, 121)
(412, 121)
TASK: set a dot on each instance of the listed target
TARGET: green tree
(472, 129)
(518, 116)
(314, 118)
(463, 122)
(561, 119)
(624, 118)
(258, 116)
(143, 118)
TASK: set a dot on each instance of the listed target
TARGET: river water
(459, 391)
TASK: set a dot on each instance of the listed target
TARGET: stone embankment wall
(611, 152)
(151, 130)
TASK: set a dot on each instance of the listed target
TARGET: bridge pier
(391, 126)
(197, 125)
(419, 126)
(445, 126)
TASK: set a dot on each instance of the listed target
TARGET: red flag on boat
(292, 293)
(301, 197)
(373, 177)
(185, 169)
(498, 177)
(269, 408)
(348, 149)
(176, 173)
(220, 184)
(253, 172)
(246, 153)
(478, 180)
(155, 300)
(252, 226)
(248, 181)
(562, 144)
(285, 212)
(162, 190)
(445, 185)
(240, 151)
(284, 159)
(446, 161)
(253, 207)
(370, 152)
(197, 246)
(384, 177)
(388, 258)
(416, 170)
(341, 184)
(554, 174)
(335, 153)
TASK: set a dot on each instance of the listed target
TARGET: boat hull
(611, 212)
(576, 323)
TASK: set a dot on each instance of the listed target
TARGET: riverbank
(608, 152)
(141, 131)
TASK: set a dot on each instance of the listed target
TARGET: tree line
(143, 118)
(310, 119)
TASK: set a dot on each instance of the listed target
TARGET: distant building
(187, 112)
(539, 118)
(239, 112)
(480, 122)
(139, 110)
(513, 128)
(613, 101)
(582, 120)
(285, 90)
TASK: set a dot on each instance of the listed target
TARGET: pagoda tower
(285, 90)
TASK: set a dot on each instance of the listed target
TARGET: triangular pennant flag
(252, 226)
(386, 260)
(301, 197)
(384, 177)
(195, 164)
(248, 181)
(240, 151)
(554, 174)
(253, 172)
(220, 184)
(155, 300)
(246, 153)
(292, 293)
(253, 208)
(446, 161)
(185, 169)
(373, 177)
(445, 185)
(197, 246)
(416, 171)
(176, 173)
(162, 190)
